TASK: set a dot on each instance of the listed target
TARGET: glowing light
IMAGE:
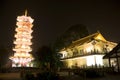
(89, 48)
(21, 57)
(64, 54)
(94, 60)
(90, 60)
(99, 60)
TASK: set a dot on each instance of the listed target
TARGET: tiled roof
(86, 39)
(114, 53)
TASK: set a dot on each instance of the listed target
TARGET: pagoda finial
(25, 12)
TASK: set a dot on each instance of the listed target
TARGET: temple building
(114, 58)
(87, 52)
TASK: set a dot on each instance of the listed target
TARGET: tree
(47, 58)
(71, 34)
(4, 56)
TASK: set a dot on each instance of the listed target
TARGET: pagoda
(22, 49)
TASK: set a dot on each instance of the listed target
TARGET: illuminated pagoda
(22, 49)
(87, 52)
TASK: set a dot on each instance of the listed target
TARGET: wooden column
(109, 62)
(117, 63)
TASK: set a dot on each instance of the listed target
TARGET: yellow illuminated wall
(82, 62)
(89, 53)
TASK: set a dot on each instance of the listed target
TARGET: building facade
(114, 58)
(87, 52)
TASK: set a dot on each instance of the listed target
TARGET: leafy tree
(56, 64)
(47, 58)
(3, 56)
(71, 34)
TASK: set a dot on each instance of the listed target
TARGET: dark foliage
(4, 56)
(47, 76)
(44, 56)
(92, 73)
(47, 58)
(29, 76)
(73, 33)
(89, 73)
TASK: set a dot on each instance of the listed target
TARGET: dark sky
(52, 18)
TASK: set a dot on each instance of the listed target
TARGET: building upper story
(89, 45)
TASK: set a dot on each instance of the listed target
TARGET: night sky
(52, 18)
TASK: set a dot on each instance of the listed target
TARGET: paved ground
(106, 77)
(9, 76)
(16, 76)
(113, 76)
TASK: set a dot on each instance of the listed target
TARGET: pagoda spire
(25, 12)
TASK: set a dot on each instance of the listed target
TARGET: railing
(80, 55)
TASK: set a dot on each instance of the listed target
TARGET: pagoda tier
(22, 57)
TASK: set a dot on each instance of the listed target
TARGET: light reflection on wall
(89, 48)
(89, 52)
(94, 60)
(64, 54)
(91, 60)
